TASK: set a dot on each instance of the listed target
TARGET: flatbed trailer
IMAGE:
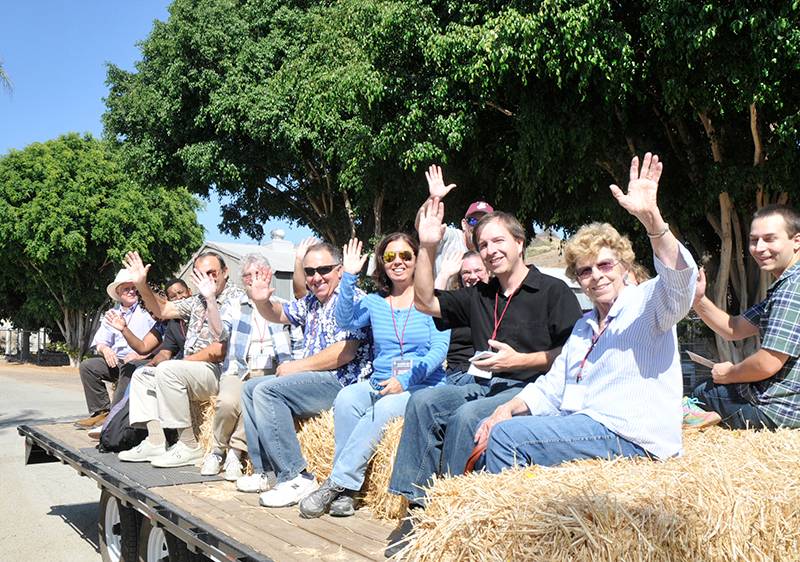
(167, 515)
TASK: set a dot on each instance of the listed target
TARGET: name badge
(574, 396)
(260, 357)
(401, 366)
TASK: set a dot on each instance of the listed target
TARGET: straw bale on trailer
(317, 444)
(734, 495)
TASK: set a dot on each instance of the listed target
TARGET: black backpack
(117, 434)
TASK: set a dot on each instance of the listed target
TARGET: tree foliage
(326, 111)
(68, 214)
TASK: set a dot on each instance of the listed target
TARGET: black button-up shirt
(539, 318)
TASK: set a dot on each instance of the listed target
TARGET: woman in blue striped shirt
(409, 352)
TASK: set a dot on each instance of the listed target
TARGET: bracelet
(659, 234)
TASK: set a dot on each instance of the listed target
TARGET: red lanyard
(402, 334)
(255, 316)
(591, 347)
(502, 314)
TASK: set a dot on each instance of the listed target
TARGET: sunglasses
(405, 255)
(603, 267)
(323, 270)
(472, 221)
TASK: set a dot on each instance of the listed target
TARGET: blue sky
(55, 53)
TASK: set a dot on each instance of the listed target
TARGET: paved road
(49, 512)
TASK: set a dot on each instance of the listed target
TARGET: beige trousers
(165, 393)
(228, 422)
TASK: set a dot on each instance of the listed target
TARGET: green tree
(320, 112)
(68, 214)
(325, 112)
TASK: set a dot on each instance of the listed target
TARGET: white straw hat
(122, 277)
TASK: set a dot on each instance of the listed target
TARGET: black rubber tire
(127, 529)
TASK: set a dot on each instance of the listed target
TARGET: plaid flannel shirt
(778, 320)
(287, 342)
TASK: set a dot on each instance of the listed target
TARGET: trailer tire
(118, 530)
(158, 545)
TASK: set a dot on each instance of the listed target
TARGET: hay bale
(202, 422)
(317, 443)
(734, 495)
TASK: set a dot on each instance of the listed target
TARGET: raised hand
(115, 320)
(259, 289)
(352, 260)
(451, 264)
(431, 223)
(136, 269)
(204, 284)
(304, 245)
(640, 200)
(436, 186)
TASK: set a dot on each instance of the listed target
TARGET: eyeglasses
(323, 270)
(405, 255)
(127, 289)
(603, 267)
(472, 221)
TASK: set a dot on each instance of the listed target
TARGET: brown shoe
(93, 421)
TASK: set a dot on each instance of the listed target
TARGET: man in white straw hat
(114, 355)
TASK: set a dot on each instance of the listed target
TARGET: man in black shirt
(521, 316)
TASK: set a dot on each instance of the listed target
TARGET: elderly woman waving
(615, 389)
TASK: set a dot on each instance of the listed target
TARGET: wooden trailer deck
(212, 509)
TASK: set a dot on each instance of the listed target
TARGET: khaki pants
(228, 425)
(165, 393)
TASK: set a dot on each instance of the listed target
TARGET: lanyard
(260, 330)
(502, 314)
(402, 334)
(591, 347)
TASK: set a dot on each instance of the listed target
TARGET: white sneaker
(253, 483)
(178, 455)
(143, 452)
(212, 465)
(289, 492)
(233, 467)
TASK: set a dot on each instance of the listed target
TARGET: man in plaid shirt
(763, 391)
(255, 348)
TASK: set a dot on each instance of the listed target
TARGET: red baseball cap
(479, 207)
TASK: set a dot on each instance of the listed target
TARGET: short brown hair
(790, 216)
(511, 223)
(590, 239)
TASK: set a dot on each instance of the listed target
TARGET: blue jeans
(439, 431)
(551, 440)
(269, 406)
(360, 416)
(734, 409)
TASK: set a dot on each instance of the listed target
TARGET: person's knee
(88, 367)
(346, 399)
(421, 404)
(228, 405)
(465, 417)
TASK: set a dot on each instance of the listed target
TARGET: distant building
(279, 252)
